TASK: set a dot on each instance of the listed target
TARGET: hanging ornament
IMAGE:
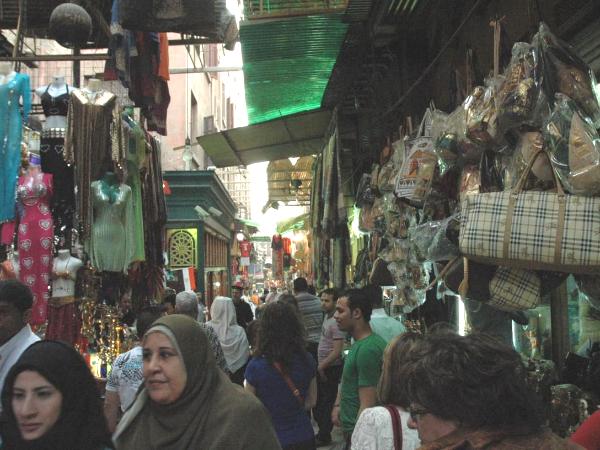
(70, 25)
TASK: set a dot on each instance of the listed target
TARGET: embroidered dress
(11, 127)
(35, 237)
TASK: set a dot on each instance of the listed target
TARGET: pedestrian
(169, 301)
(16, 301)
(186, 304)
(231, 336)
(282, 376)
(312, 316)
(186, 402)
(329, 371)
(381, 324)
(291, 300)
(50, 401)
(125, 309)
(470, 392)
(386, 427)
(126, 374)
(243, 311)
(201, 307)
(362, 366)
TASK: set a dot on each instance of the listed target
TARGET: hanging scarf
(231, 336)
(81, 423)
(209, 411)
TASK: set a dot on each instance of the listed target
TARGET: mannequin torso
(64, 274)
(55, 100)
(7, 73)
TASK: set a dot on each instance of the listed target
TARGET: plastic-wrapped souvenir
(490, 174)
(386, 182)
(397, 250)
(518, 95)
(447, 151)
(530, 142)
(366, 193)
(470, 181)
(398, 216)
(565, 72)
(437, 240)
(481, 114)
(371, 216)
(414, 180)
(590, 286)
(574, 148)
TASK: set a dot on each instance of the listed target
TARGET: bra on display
(55, 106)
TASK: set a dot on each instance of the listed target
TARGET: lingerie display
(93, 145)
(11, 128)
(35, 236)
(111, 240)
(53, 162)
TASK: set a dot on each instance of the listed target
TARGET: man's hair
(375, 294)
(170, 298)
(186, 303)
(357, 299)
(331, 291)
(17, 294)
(392, 387)
(146, 318)
(475, 380)
(300, 284)
(290, 300)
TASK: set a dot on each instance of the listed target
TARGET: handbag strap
(396, 426)
(290, 383)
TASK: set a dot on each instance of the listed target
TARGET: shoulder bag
(396, 426)
(290, 384)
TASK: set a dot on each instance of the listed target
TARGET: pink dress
(35, 239)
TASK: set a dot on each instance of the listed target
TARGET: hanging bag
(531, 229)
(396, 426)
(290, 383)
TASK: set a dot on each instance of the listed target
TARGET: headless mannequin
(6, 72)
(93, 89)
(64, 274)
(110, 186)
(56, 88)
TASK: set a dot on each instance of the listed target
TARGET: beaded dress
(11, 127)
(35, 238)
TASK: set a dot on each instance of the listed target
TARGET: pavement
(336, 438)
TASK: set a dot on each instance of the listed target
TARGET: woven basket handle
(519, 187)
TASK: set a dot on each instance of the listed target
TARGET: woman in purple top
(281, 365)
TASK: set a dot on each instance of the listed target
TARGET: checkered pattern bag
(532, 230)
(515, 289)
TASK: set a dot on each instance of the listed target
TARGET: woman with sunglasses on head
(386, 427)
(50, 401)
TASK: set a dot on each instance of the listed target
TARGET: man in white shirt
(15, 333)
(126, 374)
(385, 326)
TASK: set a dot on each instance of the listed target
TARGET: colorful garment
(35, 238)
(11, 127)
(136, 153)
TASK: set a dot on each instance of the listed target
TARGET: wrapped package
(398, 216)
(447, 151)
(490, 173)
(574, 147)
(470, 181)
(565, 72)
(530, 142)
(481, 114)
(366, 193)
(519, 95)
(371, 217)
(397, 250)
(436, 240)
(590, 286)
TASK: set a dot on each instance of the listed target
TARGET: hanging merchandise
(531, 142)
(94, 143)
(35, 236)
(515, 289)
(481, 114)
(574, 147)
(436, 240)
(532, 230)
(13, 88)
(565, 72)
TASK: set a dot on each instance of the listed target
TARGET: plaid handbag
(532, 230)
(515, 289)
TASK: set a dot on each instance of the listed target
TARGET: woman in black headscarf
(50, 401)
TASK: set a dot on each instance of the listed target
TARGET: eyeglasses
(415, 413)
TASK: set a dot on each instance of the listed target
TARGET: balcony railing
(269, 9)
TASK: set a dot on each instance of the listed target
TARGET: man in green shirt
(362, 366)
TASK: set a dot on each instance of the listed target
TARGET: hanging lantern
(70, 25)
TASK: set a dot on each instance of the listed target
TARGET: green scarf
(210, 414)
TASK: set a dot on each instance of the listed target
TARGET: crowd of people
(226, 380)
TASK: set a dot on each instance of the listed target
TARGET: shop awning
(296, 135)
(295, 223)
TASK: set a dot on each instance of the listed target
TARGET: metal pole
(76, 68)
(73, 57)
(203, 70)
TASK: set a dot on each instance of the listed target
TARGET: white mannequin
(6, 72)
(64, 274)
(57, 87)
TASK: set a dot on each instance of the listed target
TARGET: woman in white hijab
(231, 336)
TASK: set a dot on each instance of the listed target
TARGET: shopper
(16, 300)
(471, 392)
(231, 336)
(51, 401)
(125, 310)
(329, 370)
(169, 301)
(362, 366)
(374, 429)
(291, 300)
(186, 402)
(243, 310)
(381, 324)
(283, 376)
(312, 316)
(126, 374)
(186, 304)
